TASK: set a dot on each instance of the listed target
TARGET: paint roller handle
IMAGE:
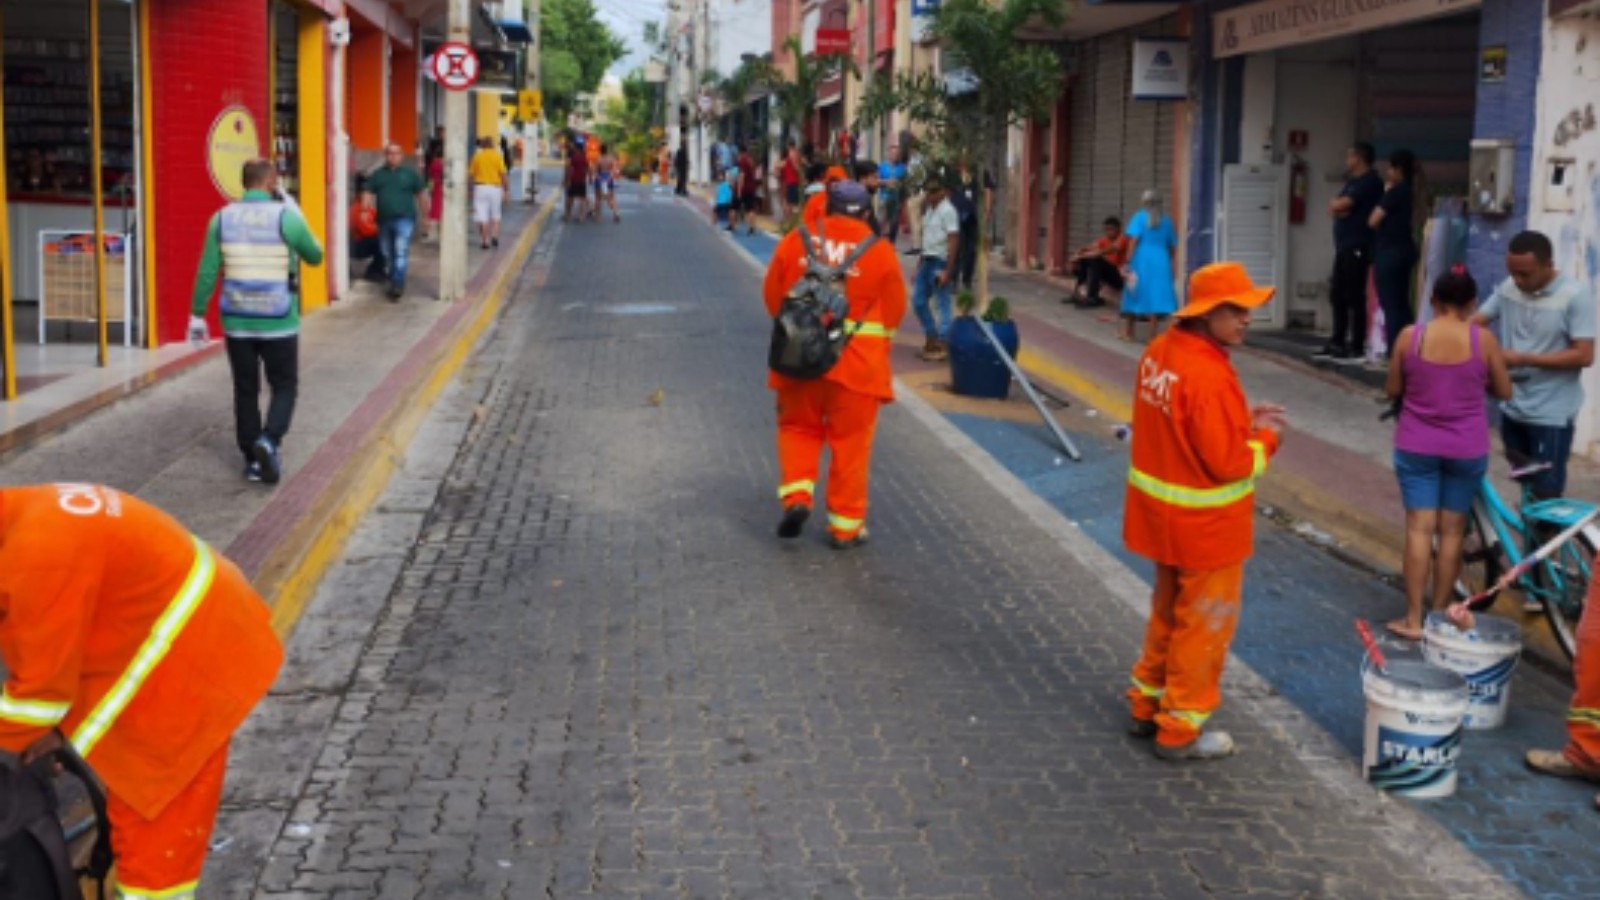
(1365, 632)
(1479, 601)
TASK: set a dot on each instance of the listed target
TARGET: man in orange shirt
(840, 409)
(1099, 263)
(136, 642)
(1197, 451)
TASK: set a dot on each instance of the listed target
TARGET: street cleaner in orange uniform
(817, 204)
(129, 637)
(1197, 451)
(1580, 758)
(840, 409)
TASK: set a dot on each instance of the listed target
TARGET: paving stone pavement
(600, 675)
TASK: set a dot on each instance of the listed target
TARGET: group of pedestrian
(585, 172)
(1140, 262)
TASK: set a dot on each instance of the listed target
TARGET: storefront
(189, 90)
(51, 178)
(1287, 86)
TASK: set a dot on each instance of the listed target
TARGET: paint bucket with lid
(1413, 729)
(1485, 656)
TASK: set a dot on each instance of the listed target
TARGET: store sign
(232, 142)
(1160, 69)
(497, 70)
(833, 40)
(1284, 23)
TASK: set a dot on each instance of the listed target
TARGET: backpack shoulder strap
(100, 856)
(806, 241)
(856, 254)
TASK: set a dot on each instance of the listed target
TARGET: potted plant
(976, 369)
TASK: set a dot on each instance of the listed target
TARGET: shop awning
(507, 19)
(1091, 18)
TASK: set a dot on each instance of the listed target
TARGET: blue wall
(1505, 110)
(1508, 110)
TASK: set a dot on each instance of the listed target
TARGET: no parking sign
(455, 65)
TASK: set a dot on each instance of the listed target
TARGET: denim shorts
(1438, 482)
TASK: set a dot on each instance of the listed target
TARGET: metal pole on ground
(1033, 395)
(453, 222)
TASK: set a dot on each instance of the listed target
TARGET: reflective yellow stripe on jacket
(154, 649)
(867, 329)
(1201, 498)
(32, 712)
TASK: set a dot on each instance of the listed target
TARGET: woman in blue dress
(1149, 295)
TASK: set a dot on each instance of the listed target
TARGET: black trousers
(683, 183)
(1349, 295)
(1391, 272)
(280, 357)
(1095, 271)
(966, 256)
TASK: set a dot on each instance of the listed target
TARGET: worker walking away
(256, 245)
(830, 398)
(134, 641)
(1197, 450)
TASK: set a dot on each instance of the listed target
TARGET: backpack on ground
(809, 333)
(35, 852)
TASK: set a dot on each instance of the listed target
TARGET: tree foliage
(795, 97)
(628, 120)
(577, 48)
(964, 117)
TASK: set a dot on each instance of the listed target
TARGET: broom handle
(1540, 555)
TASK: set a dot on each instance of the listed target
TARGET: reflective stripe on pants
(1177, 681)
(817, 414)
(162, 857)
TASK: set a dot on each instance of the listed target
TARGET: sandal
(1401, 630)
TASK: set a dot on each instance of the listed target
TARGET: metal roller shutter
(1080, 172)
(1110, 147)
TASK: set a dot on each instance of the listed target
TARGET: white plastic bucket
(1413, 732)
(1485, 656)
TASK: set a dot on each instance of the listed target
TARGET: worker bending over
(1197, 451)
(145, 649)
(839, 410)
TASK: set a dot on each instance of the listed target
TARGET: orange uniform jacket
(1195, 457)
(816, 207)
(145, 647)
(877, 294)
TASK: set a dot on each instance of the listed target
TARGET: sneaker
(483, 245)
(794, 519)
(1141, 728)
(265, 455)
(395, 291)
(1556, 764)
(1329, 352)
(937, 353)
(494, 242)
(1350, 358)
(252, 471)
(850, 543)
(913, 252)
(1209, 745)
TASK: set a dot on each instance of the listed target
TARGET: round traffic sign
(455, 66)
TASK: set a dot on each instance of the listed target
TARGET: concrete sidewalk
(368, 368)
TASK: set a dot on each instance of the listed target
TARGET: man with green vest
(255, 245)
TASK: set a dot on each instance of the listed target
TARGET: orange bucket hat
(834, 173)
(1219, 283)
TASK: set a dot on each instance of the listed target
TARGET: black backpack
(809, 334)
(35, 851)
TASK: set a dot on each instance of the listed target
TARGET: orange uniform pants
(162, 857)
(1177, 681)
(1583, 719)
(814, 414)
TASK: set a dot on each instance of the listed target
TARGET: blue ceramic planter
(976, 370)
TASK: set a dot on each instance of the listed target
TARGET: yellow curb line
(291, 575)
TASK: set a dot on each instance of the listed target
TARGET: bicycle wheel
(1483, 560)
(1562, 581)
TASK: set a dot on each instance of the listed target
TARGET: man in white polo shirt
(940, 246)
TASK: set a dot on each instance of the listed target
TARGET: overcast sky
(626, 18)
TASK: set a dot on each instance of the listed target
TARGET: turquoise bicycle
(1499, 537)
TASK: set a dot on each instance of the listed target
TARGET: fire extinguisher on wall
(1299, 185)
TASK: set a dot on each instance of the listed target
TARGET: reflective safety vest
(141, 644)
(875, 288)
(255, 261)
(1195, 457)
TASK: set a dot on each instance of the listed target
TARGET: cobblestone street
(599, 674)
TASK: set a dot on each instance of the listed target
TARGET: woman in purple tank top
(1441, 373)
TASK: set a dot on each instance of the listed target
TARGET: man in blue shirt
(1546, 323)
(1352, 242)
(892, 177)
